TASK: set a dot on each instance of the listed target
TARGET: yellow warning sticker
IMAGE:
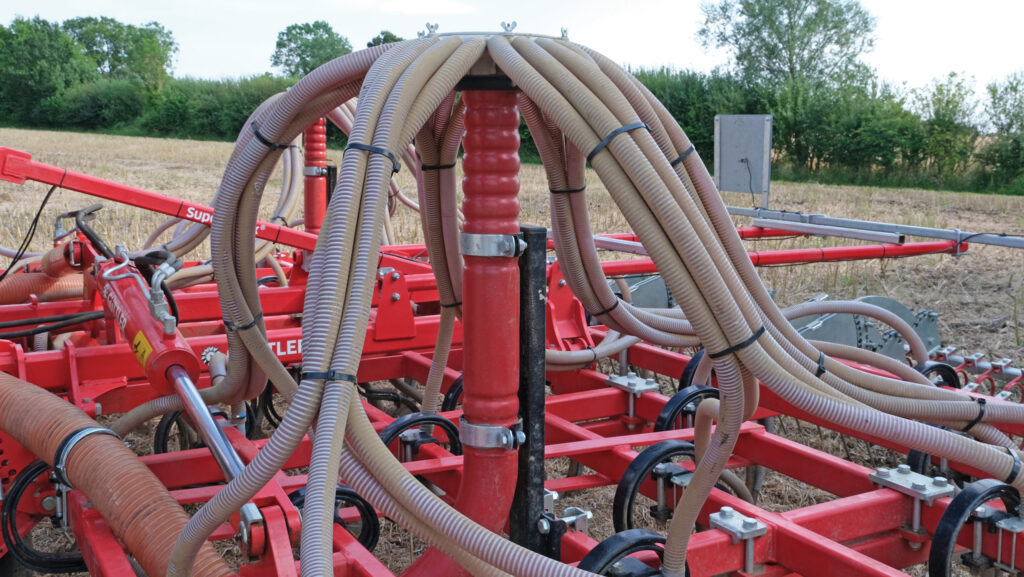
(141, 348)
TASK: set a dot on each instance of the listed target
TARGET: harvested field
(979, 295)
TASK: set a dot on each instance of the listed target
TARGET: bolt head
(631, 374)
(396, 297)
(395, 276)
(918, 486)
(562, 282)
(544, 526)
(49, 504)
(726, 512)
(749, 523)
(903, 469)
(882, 472)
(940, 481)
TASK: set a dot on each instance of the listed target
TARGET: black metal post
(528, 503)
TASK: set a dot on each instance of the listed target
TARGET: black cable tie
(736, 348)
(435, 166)
(331, 375)
(981, 414)
(821, 364)
(451, 305)
(279, 217)
(591, 349)
(263, 139)
(568, 191)
(1016, 466)
(608, 310)
(233, 328)
(683, 156)
(395, 165)
(600, 145)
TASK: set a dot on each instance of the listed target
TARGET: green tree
(385, 37)
(791, 50)
(948, 109)
(694, 98)
(124, 51)
(1003, 152)
(38, 62)
(302, 47)
(1005, 106)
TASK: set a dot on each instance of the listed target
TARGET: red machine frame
(863, 532)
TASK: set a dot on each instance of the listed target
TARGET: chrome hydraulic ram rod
(211, 434)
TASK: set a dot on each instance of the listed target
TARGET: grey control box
(743, 154)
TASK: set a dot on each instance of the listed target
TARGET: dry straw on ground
(979, 295)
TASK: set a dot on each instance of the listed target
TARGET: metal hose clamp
(491, 436)
(492, 245)
(64, 449)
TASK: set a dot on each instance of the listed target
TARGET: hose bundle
(580, 107)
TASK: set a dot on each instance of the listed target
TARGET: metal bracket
(60, 459)
(740, 528)
(634, 385)
(549, 500)
(62, 485)
(1015, 526)
(573, 518)
(492, 245)
(248, 517)
(577, 519)
(491, 436)
(314, 171)
(665, 474)
(921, 488)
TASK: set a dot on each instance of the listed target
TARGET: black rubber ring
(600, 145)
(568, 191)
(981, 414)
(683, 156)
(608, 310)
(821, 364)
(233, 328)
(263, 139)
(735, 348)
(395, 165)
(452, 305)
(330, 376)
(435, 166)
(1016, 466)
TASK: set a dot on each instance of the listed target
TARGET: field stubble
(978, 295)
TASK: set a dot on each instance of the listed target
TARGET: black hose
(30, 558)
(77, 319)
(31, 230)
(40, 320)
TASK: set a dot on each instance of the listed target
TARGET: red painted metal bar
(315, 176)
(808, 255)
(17, 167)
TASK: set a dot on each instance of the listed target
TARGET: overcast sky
(917, 40)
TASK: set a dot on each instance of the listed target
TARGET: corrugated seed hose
(572, 99)
(136, 504)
